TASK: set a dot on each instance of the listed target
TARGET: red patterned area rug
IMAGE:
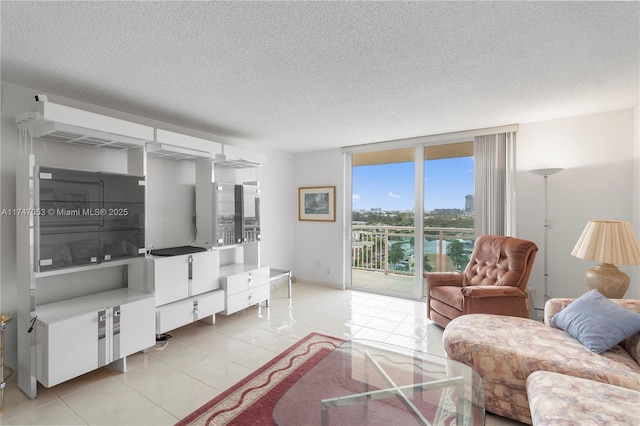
(251, 401)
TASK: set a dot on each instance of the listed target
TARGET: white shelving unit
(87, 322)
(68, 322)
(244, 280)
(186, 287)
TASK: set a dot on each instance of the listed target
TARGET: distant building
(468, 203)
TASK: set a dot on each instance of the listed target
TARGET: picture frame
(317, 203)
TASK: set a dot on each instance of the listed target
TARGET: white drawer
(210, 303)
(245, 280)
(174, 315)
(183, 312)
(239, 301)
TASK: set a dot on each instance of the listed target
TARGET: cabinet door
(136, 329)
(69, 227)
(228, 221)
(204, 272)
(67, 348)
(170, 276)
(122, 230)
(251, 213)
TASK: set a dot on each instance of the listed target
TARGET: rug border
(206, 406)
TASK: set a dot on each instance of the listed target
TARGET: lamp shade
(608, 242)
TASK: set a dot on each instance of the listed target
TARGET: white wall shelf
(60, 123)
(177, 146)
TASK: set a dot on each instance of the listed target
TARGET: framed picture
(317, 203)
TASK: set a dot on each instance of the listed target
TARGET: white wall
(320, 241)
(170, 189)
(596, 152)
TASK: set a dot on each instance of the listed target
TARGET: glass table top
(364, 382)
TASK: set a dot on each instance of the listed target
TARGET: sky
(391, 186)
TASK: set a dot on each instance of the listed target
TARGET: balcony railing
(391, 249)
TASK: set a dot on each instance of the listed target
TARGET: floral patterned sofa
(506, 350)
(558, 399)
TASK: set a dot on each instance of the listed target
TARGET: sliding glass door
(448, 207)
(412, 211)
(383, 221)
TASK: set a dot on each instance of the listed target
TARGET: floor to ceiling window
(417, 205)
(389, 249)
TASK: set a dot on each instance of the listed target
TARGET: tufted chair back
(499, 260)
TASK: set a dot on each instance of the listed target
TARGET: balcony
(383, 257)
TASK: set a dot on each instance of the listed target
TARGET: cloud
(356, 197)
(393, 195)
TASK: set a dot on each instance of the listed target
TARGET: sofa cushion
(597, 322)
(632, 345)
(560, 399)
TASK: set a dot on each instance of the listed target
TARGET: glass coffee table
(369, 383)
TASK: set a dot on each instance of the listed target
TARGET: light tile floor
(165, 384)
(401, 285)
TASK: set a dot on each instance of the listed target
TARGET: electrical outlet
(328, 270)
(318, 265)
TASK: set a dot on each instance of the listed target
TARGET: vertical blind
(494, 182)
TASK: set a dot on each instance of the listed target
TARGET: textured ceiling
(304, 76)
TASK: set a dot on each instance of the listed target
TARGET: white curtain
(494, 184)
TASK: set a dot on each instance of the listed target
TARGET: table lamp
(608, 242)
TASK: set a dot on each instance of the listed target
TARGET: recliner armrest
(435, 279)
(478, 291)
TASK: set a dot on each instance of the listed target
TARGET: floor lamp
(545, 173)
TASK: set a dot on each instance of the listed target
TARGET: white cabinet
(186, 288)
(244, 285)
(78, 335)
(178, 277)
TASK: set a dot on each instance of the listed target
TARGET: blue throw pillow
(597, 322)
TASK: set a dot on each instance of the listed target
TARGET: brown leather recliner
(494, 281)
